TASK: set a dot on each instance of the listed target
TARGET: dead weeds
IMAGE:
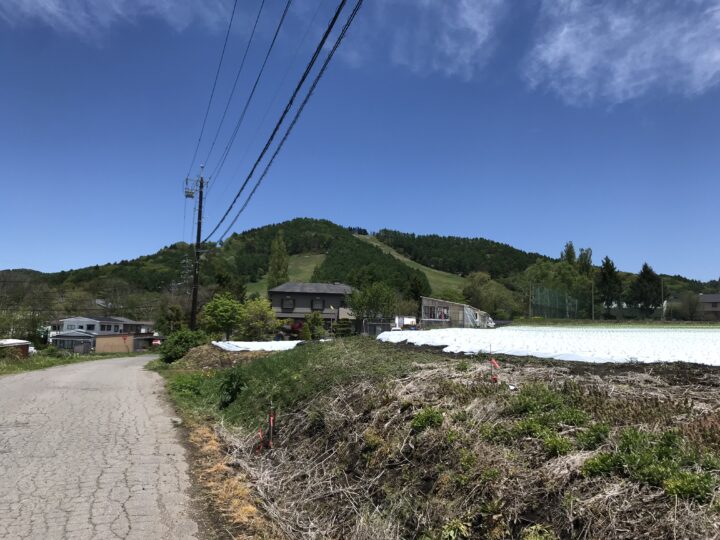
(444, 452)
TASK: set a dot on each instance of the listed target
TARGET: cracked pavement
(89, 450)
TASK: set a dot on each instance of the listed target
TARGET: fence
(552, 304)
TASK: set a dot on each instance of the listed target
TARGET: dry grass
(348, 463)
(210, 357)
(229, 491)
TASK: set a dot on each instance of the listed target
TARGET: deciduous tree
(258, 321)
(221, 314)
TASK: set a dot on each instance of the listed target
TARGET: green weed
(427, 418)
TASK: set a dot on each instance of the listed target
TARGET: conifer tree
(279, 259)
(609, 285)
(645, 290)
(568, 253)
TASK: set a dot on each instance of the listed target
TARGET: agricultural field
(696, 344)
(379, 440)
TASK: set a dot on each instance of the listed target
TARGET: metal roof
(710, 297)
(102, 319)
(13, 342)
(313, 288)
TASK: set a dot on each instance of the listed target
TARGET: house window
(91, 327)
(714, 304)
(317, 304)
(287, 304)
(81, 327)
(436, 313)
(116, 328)
(71, 327)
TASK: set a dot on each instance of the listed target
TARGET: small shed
(437, 313)
(15, 347)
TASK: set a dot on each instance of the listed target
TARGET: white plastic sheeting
(587, 344)
(242, 346)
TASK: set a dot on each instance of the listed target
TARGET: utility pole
(592, 297)
(196, 267)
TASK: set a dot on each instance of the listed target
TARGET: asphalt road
(89, 450)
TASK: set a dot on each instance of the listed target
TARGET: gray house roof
(312, 288)
(710, 297)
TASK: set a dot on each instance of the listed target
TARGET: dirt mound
(209, 357)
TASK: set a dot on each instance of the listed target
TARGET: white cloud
(89, 17)
(618, 50)
(452, 37)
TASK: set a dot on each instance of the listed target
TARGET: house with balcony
(296, 300)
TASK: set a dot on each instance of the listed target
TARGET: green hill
(439, 280)
(300, 268)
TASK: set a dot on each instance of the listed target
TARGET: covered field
(588, 344)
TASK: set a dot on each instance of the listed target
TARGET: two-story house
(296, 300)
(710, 307)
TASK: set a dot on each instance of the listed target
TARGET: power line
(289, 105)
(297, 115)
(237, 78)
(274, 99)
(225, 153)
(212, 92)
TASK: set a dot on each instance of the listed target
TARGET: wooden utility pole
(592, 297)
(196, 268)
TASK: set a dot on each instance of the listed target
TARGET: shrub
(537, 532)
(602, 464)
(179, 343)
(314, 323)
(535, 398)
(556, 445)
(660, 460)
(690, 485)
(232, 383)
(426, 418)
(593, 437)
(52, 351)
(455, 529)
(305, 332)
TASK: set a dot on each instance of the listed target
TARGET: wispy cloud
(90, 17)
(617, 50)
(452, 37)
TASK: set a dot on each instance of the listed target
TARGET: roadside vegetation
(379, 441)
(51, 357)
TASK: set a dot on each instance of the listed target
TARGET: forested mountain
(460, 255)
(494, 276)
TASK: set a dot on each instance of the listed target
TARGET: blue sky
(530, 124)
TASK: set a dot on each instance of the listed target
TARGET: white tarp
(587, 344)
(241, 346)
